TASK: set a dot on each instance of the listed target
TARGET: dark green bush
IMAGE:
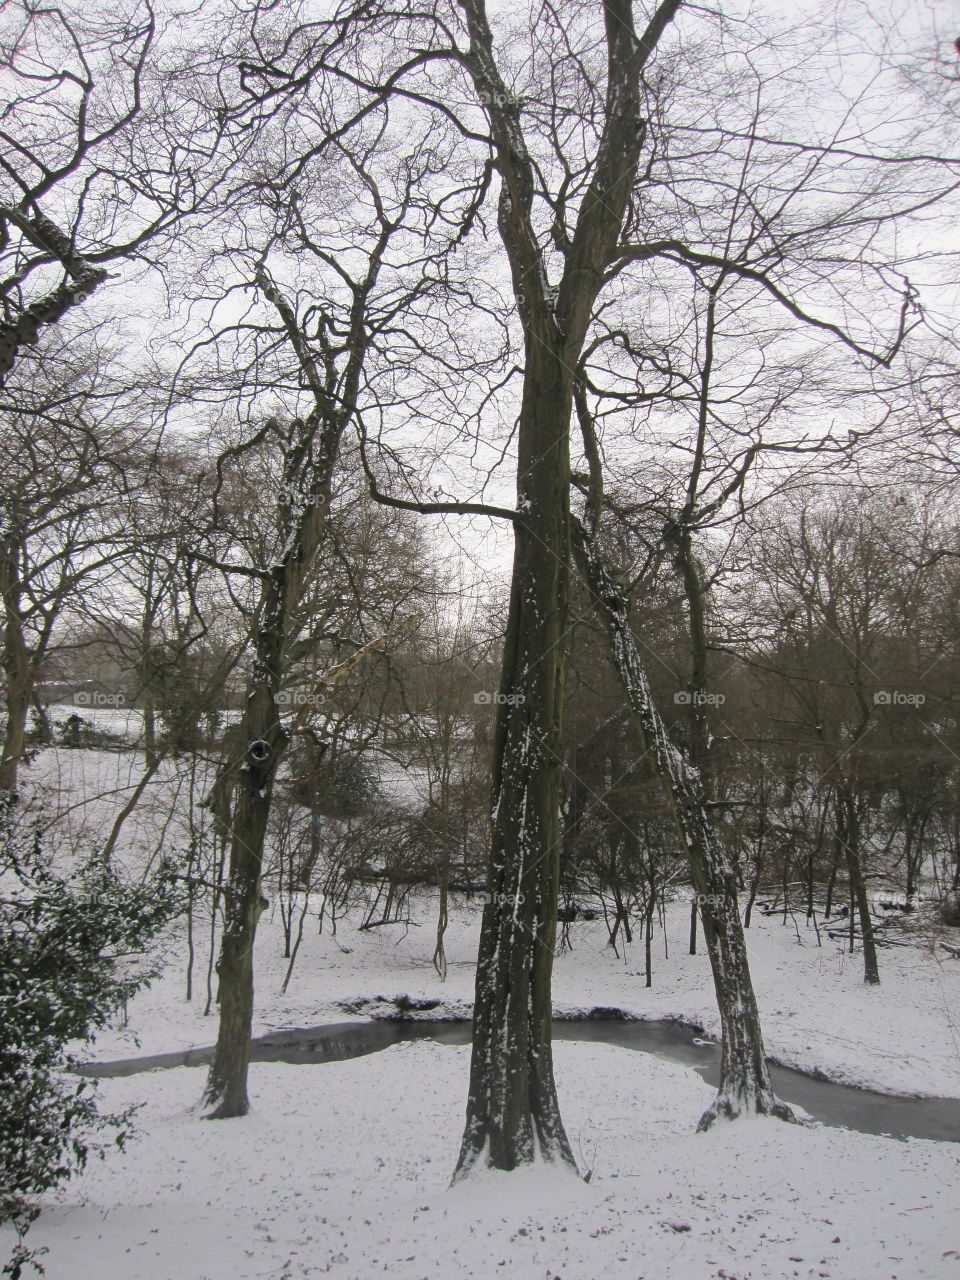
(72, 951)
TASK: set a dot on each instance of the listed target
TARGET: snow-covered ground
(342, 1169)
(900, 1037)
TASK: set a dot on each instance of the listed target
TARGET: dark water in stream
(834, 1104)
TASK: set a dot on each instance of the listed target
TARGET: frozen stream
(833, 1104)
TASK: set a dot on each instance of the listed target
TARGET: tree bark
(310, 456)
(850, 839)
(745, 1087)
(513, 1116)
(225, 1094)
(24, 329)
(17, 669)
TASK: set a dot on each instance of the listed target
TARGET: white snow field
(343, 1168)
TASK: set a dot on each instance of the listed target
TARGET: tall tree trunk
(512, 1111)
(150, 752)
(439, 953)
(695, 594)
(696, 618)
(745, 1087)
(225, 1094)
(310, 455)
(832, 881)
(693, 927)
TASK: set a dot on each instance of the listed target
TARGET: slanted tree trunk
(745, 1087)
(24, 329)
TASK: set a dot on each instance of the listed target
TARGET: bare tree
(70, 460)
(852, 633)
(92, 170)
(317, 342)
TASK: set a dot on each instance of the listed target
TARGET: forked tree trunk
(310, 456)
(512, 1112)
(745, 1087)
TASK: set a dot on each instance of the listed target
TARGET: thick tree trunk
(512, 1112)
(745, 1087)
(15, 730)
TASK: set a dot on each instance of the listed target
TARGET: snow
(817, 1013)
(343, 1168)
